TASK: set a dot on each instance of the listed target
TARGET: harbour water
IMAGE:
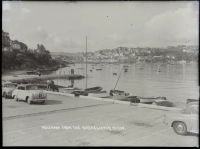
(176, 82)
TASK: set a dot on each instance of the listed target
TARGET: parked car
(185, 120)
(7, 89)
(30, 93)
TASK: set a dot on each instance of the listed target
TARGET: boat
(159, 100)
(163, 102)
(125, 70)
(133, 99)
(191, 100)
(93, 89)
(79, 92)
(69, 90)
(100, 94)
(152, 100)
(98, 69)
(125, 66)
(114, 73)
(86, 91)
(119, 95)
(147, 100)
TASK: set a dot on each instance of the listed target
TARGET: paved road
(67, 121)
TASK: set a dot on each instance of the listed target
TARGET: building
(5, 39)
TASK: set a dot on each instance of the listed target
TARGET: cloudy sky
(63, 26)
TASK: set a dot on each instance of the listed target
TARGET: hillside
(17, 56)
(169, 54)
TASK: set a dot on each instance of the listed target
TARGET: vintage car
(184, 121)
(30, 93)
(7, 89)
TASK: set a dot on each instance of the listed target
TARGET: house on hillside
(5, 39)
(157, 58)
(18, 46)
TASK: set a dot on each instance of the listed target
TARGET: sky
(63, 26)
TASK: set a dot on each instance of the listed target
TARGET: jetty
(42, 78)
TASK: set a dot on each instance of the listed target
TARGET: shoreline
(20, 76)
(13, 72)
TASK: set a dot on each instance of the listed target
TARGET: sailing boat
(70, 89)
(118, 94)
(88, 91)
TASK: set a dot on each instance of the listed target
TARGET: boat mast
(118, 79)
(86, 65)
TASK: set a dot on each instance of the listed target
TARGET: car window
(32, 87)
(21, 88)
(10, 85)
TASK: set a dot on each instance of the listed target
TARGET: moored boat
(164, 103)
(98, 69)
(125, 66)
(100, 94)
(93, 89)
(159, 100)
(80, 92)
(68, 90)
(119, 95)
(125, 70)
(147, 100)
(192, 100)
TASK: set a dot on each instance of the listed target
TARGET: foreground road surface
(68, 121)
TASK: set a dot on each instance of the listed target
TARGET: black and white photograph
(100, 73)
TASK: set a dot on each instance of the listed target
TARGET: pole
(86, 65)
(118, 79)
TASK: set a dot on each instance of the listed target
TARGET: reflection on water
(176, 82)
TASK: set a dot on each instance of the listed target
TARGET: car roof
(9, 83)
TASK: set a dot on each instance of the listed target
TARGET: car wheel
(180, 128)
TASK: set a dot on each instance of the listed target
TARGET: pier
(42, 78)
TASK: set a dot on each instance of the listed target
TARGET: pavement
(72, 121)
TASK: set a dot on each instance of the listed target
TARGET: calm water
(176, 82)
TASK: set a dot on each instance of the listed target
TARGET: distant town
(20, 56)
(170, 54)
